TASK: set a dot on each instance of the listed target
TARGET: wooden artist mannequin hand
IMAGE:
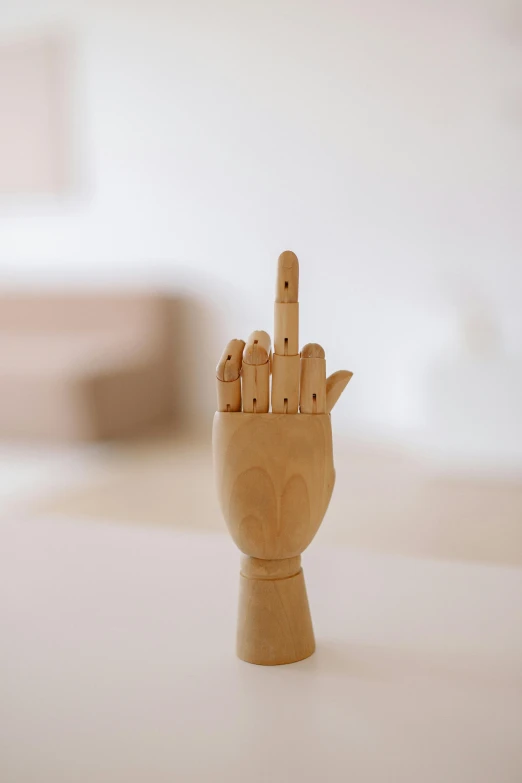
(274, 471)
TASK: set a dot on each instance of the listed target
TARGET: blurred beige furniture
(83, 366)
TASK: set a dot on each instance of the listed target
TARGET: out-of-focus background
(155, 159)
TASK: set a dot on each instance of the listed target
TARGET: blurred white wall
(380, 141)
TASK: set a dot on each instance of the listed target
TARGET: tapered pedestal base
(274, 623)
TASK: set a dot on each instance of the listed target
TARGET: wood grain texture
(312, 351)
(285, 361)
(287, 281)
(228, 381)
(312, 386)
(286, 328)
(228, 395)
(274, 476)
(274, 622)
(255, 568)
(258, 348)
(255, 373)
(335, 385)
(256, 387)
(285, 383)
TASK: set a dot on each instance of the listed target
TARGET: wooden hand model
(274, 472)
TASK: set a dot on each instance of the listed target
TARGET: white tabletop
(117, 664)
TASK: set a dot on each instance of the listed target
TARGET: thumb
(335, 385)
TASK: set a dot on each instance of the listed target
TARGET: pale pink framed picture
(34, 144)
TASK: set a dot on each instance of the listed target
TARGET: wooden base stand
(274, 623)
